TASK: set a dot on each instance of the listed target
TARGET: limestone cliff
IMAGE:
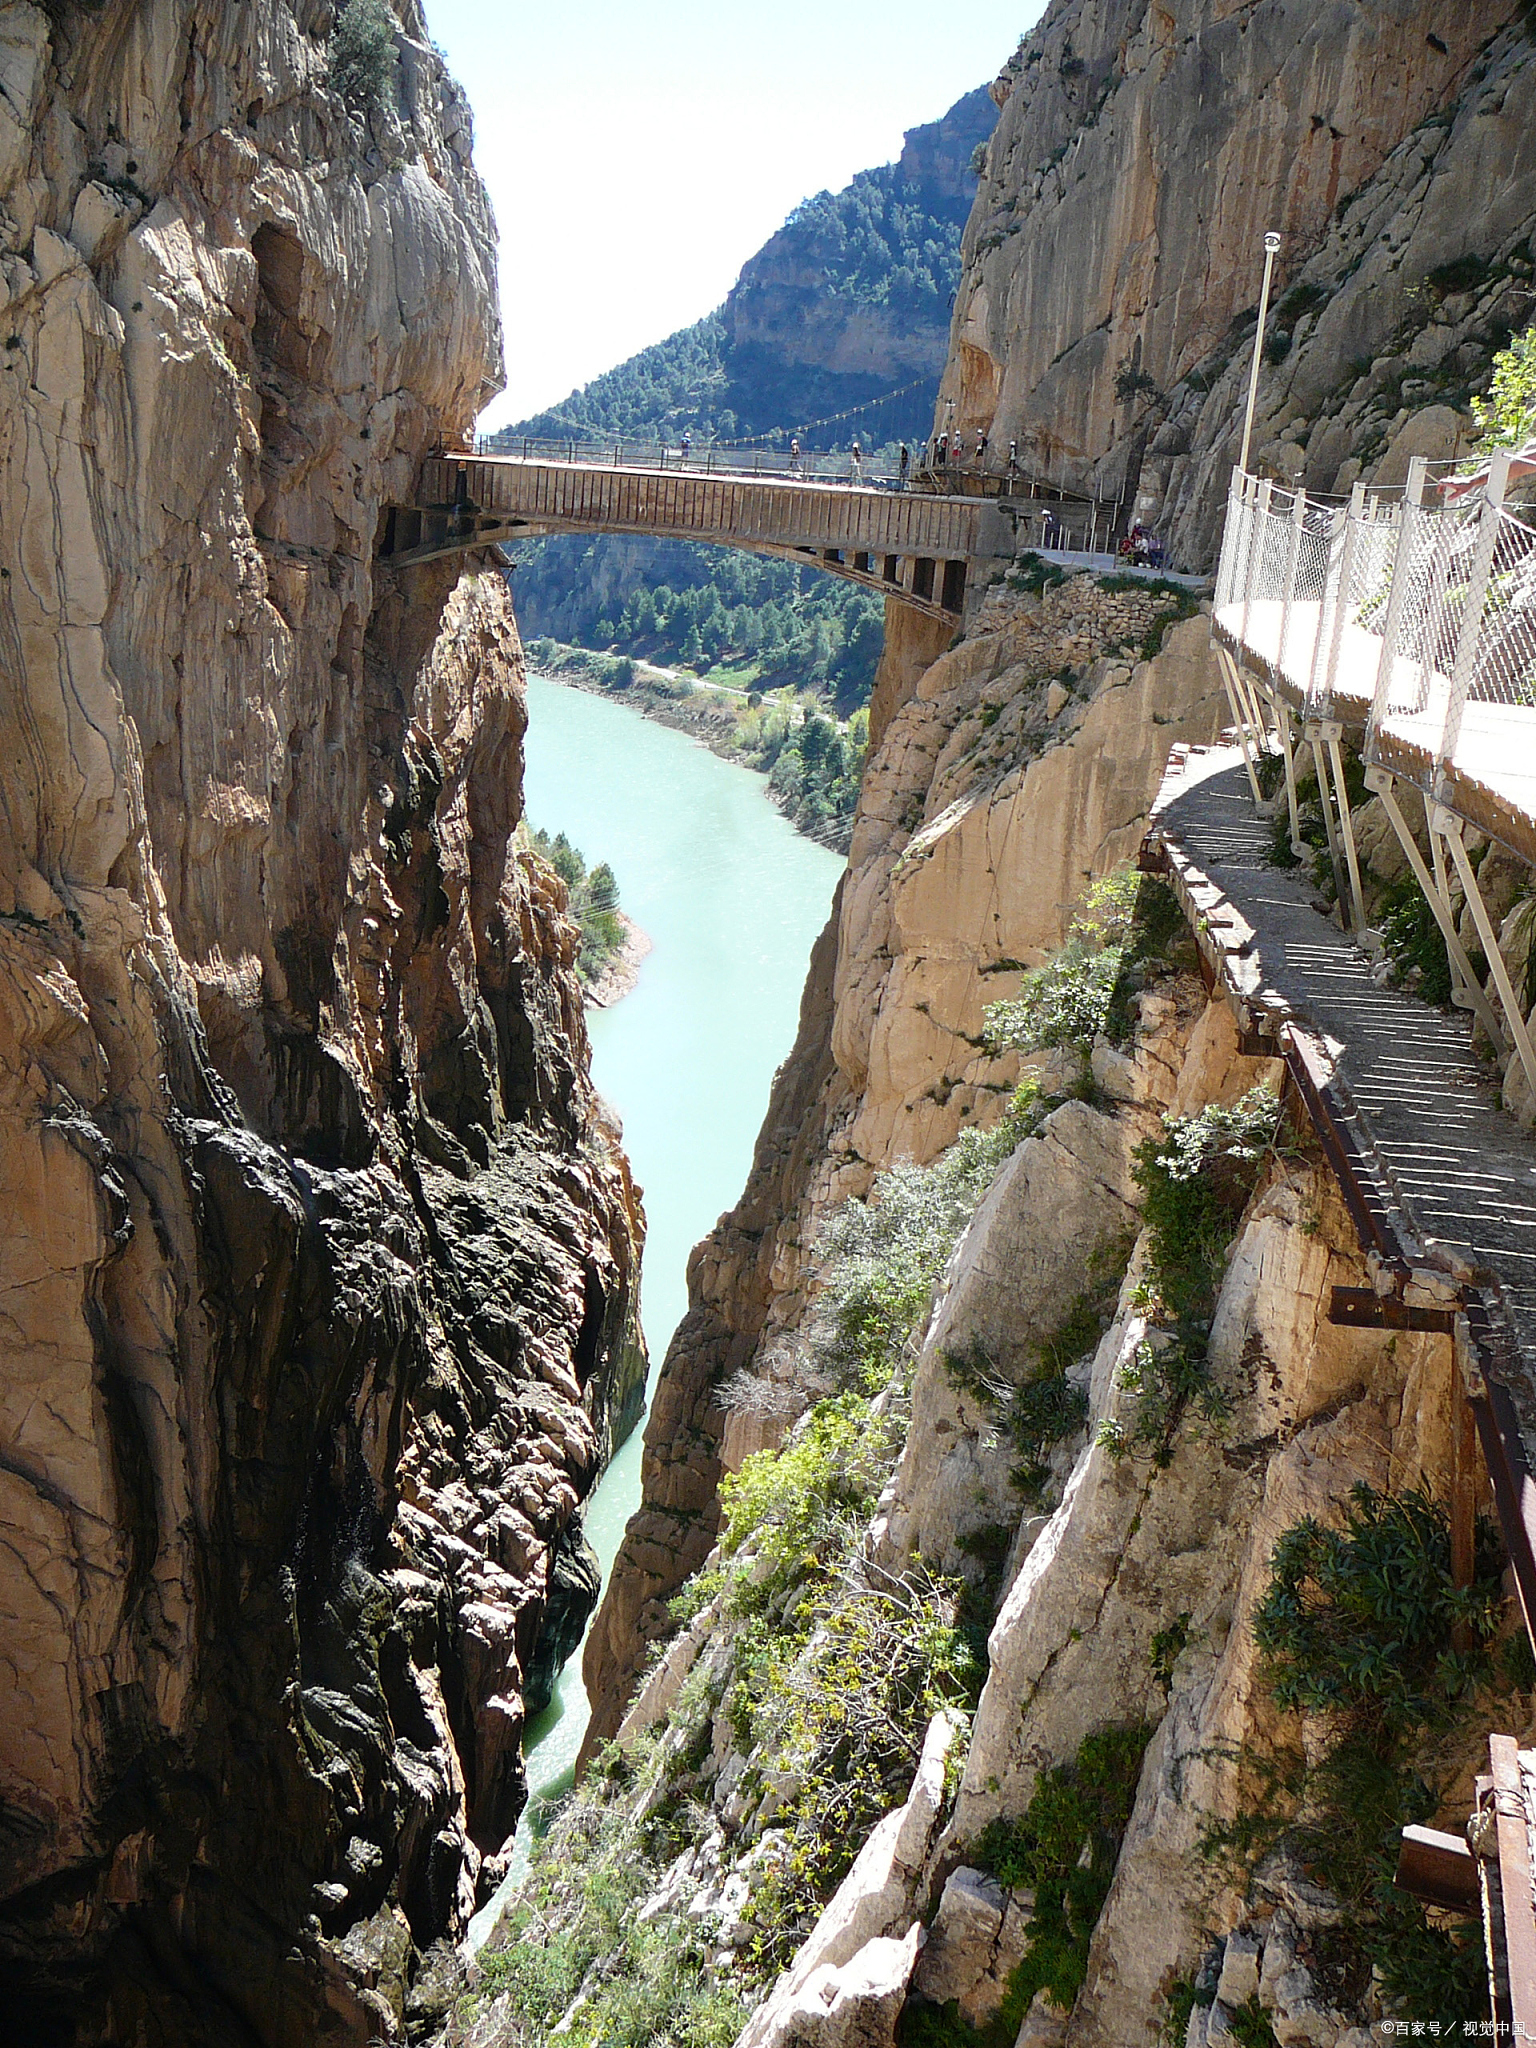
(1112, 261)
(1104, 320)
(319, 1260)
(994, 792)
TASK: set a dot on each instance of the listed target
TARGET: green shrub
(823, 1481)
(843, 1708)
(1195, 1181)
(1067, 1001)
(1413, 940)
(886, 1255)
(1508, 414)
(1032, 574)
(1356, 1623)
(1032, 1416)
(1064, 1849)
(1360, 1619)
(362, 55)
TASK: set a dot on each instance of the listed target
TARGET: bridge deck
(915, 545)
(1492, 780)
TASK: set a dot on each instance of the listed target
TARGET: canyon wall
(1141, 153)
(319, 1265)
(1112, 262)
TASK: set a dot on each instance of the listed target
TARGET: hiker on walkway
(856, 471)
(794, 456)
(1013, 461)
(943, 451)
(981, 451)
(687, 444)
(903, 465)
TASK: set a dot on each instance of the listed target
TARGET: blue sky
(638, 151)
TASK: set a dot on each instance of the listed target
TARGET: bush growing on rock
(363, 54)
(1356, 1629)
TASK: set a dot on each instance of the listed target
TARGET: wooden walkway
(911, 545)
(1441, 1181)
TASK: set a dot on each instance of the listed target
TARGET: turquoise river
(731, 898)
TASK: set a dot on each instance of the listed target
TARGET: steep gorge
(320, 1259)
(1105, 317)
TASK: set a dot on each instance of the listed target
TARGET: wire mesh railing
(838, 466)
(1414, 620)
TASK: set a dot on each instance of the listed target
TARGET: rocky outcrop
(319, 1261)
(994, 793)
(812, 313)
(1106, 311)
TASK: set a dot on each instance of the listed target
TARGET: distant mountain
(848, 301)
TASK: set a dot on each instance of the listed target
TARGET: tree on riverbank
(594, 902)
(765, 622)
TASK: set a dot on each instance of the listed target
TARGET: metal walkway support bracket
(1240, 716)
(1448, 825)
(1320, 734)
(1380, 783)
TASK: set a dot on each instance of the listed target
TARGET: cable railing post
(1293, 560)
(1397, 595)
(1352, 517)
(1465, 664)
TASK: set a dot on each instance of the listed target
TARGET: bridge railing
(1081, 521)
(1413, 620)
(706, 459)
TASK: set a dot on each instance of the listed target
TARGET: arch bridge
(915, 546)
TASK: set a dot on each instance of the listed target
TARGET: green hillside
(864, 277)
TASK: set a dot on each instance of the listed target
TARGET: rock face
(318, 1263)
(1112, 262)
(988, 805)
(803, 321)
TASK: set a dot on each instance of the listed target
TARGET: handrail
(958, 474)
(1414, 622)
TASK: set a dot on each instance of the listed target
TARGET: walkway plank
(1455, 1171)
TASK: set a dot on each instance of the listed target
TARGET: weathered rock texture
(1106, 309)
(1112, 262)
(995, 794)
(318, 1262)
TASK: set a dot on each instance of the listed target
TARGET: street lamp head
(1271, 242)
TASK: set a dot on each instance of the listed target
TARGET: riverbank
(623, 970)
(721, 716)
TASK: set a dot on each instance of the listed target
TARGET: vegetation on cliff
(1384, 1667)
(593, 902)
(815, 1673)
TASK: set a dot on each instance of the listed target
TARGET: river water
(732, 898)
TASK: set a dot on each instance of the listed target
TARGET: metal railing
(1076, 522)
(1411, 619)
(705, 459)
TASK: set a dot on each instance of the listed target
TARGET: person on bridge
(687, 444)
(794, 456)
(903, 465)
(943, 451)
(856, 468)
(1013, 461)
(981, 450)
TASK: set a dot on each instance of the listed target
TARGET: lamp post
(1271, 244)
